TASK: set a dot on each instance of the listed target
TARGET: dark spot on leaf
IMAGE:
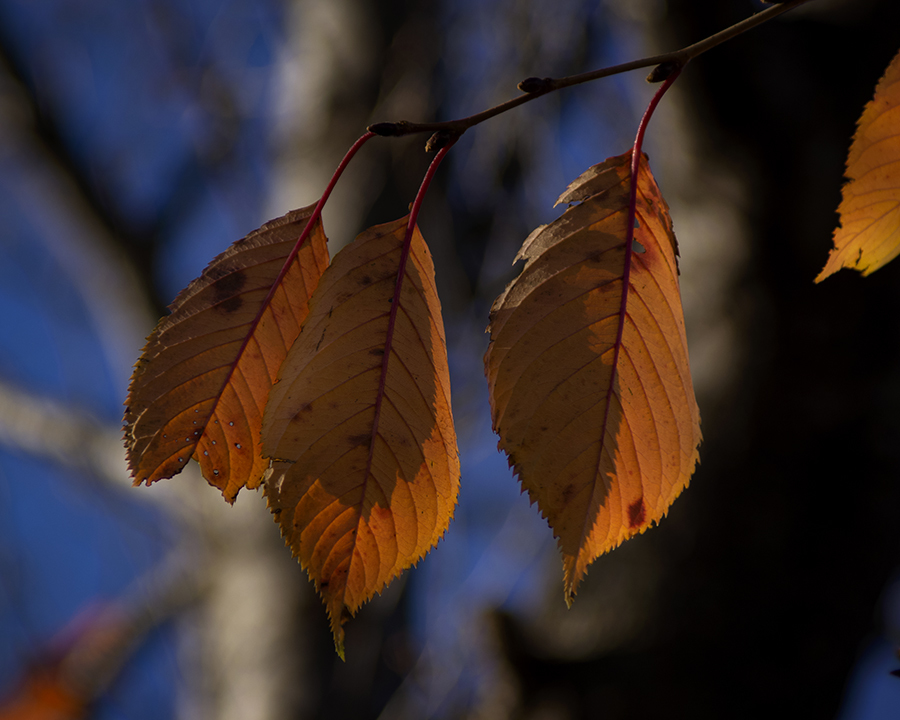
(357, 440)
(323, 584)
(226, 288)
(365, 280)
(376, 351)
(636, 513)
(567, 493)
(231, 304)
(219, 271)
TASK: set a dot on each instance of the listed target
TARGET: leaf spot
(225, 291)
(636, 513)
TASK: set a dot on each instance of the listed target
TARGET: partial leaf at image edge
(365, 467)
(200, 387)
(590, 386)
(868, 236)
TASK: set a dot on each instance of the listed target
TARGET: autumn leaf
(869, 233)
(42, 695)
(587, 367)
(366, 471)
(67, 676)
(200, 387)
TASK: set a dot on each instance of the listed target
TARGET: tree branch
(534, 87)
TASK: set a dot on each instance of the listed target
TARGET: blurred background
(138, 139)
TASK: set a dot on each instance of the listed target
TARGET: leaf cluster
(326, 381)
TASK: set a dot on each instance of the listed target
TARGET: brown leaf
(367, 471)
(201, 384)
(590, 387)
(869, 233)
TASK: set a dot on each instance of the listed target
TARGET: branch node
(663, 71)
(440, 140)
(535, 85)
(389, 129)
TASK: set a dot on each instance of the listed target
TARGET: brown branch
(534, 87)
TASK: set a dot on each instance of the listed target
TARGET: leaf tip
(337, 630)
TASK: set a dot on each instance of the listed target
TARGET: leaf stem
(537, 87)
(310, 223)
(632, 208)
(629, 242)
(398, 286)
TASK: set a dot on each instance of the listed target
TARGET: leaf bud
(386, 129)
(535, 84)
(439, 140)
(662, 71)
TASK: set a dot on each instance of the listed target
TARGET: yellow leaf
(590, 387)
(365, 470)
(869, 233)
(200, 387)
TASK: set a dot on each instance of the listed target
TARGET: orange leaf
(589, 381)
(200, 386)
(43, 695)
(869, 234)
(367, 472)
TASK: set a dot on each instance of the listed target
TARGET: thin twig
(536, 87)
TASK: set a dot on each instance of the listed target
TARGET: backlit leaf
(590, 387)
(869, 233)
(200, 386)
(365, 472)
